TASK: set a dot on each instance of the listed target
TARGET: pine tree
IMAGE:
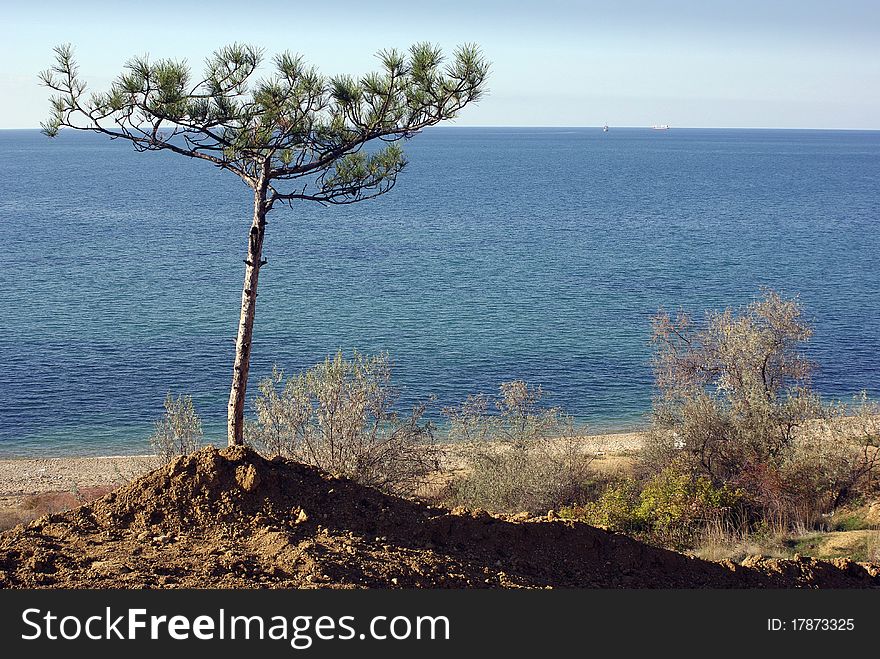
(294, 135)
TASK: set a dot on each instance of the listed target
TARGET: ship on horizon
(660, 127)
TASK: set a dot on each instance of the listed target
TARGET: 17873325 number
(811, 625)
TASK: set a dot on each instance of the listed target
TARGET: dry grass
(720, 542)
(615, 464)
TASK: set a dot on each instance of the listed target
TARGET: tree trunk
(241, 368)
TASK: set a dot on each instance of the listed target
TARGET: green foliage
(179, 431)
(294, 127)
(339, 415)
(671, 508)
(851, 522)
(676, 503)
(614, 509)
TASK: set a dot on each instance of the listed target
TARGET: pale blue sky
(749, 63)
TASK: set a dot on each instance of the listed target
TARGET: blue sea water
(502, 253)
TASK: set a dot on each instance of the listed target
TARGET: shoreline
(72, 449)
(25, 476)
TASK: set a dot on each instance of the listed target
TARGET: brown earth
(232, 519)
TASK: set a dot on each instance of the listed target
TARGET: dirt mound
(233, 519)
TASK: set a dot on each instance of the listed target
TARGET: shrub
(33, 506)
(735, 404)
(179, 431)
(519, 454)
(672, 508)
(736, 391)
(615, 509)
(837, 457)
(339, 416)
(677, 504)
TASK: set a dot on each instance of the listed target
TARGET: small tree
(735, 403)
(292, 136)
(734, 392)
(179, 431)
(339, 415)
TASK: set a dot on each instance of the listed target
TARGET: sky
(749, 63)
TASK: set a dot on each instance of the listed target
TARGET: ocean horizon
(502, 253)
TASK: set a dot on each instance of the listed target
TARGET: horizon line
(597, 127)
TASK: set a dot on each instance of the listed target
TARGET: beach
(30, 486)
(24, 476)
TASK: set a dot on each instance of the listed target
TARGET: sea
(502, 253)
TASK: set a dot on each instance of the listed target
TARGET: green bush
(671, 508)
(676, 504)
(615, 509)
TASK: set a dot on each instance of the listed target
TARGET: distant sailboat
(660, 127)
(605, 128)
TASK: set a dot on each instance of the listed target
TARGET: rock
(247, 477)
